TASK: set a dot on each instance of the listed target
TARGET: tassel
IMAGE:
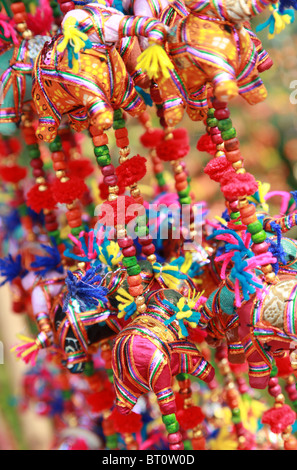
(74, 41)
(109, 254)
(155, 62)
(169, 274)
(127, 307)
(183, 313)
(28, 351)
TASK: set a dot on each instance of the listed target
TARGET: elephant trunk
(285, 223)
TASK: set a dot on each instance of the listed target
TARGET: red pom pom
(176, 148)
(279, 418)
(15, 145)
(205, 144)
(78, 444)
(152, 138)
(126, 424)
(196, 335)
(131, 171)
(38, 200)
(66, 193)
(238, 186)
(81, 168)
(115, 213)
(13, 173)
(189, 418)
(42, 21)
(218, 167)
(101, 401)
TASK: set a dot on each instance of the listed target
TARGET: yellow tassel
(155, 62)
(73, 36)
(125, 300)
(280, 22)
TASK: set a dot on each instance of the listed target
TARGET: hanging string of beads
(231, 395)
(20, 17)
(220, 119)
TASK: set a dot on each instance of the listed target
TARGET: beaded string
(231, 395)
(247, 211)
(20, 17)
(126, 243)
(60, 165)
(38, 172)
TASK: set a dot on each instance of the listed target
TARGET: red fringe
(279, 418)
(66, 193)
(81, 168)
(38, 200)
(238, 186)
(126, 424)
(13, 173)
(131, 171)
(205, 144)
(42, 21)
(151, 139)
(218, 167)
(189, 418)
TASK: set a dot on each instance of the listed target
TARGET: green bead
(105, 160)
(185, 200)
(160, 178)
(101, 150)
(229, 134)
(89, 369)
(188, 445)
(255, 227)
(225, 124)
(134, 270)
(66, 394)
(118, 114)
(56, 146)
(23, 210)
(112, 441)
(172, 428)
(55, 235)
(236, 412)
(236, 420)
(184, 192)
(234, 215)
(120, 124)
(34, 153)
(130, 261)
(211, 112)
(259, 237)
(274, 371)
(182, 377)
(169, 419)
(212, 122)
(76, 231)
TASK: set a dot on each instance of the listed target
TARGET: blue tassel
(45, 264)
(145, 96)
(11, 269)
(118, 5)
(245, 279)
(276, 248)
(85, 290)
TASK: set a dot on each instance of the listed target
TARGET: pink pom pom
(238, 186)
(218, 168)
(279, 418)
(205, 144)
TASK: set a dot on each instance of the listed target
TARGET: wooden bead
(249, 220)
(159, 168)
(38, 172)
(57, 166)
(181, 186)
(20, 17)
(147, 240)
(72, 215)
(18, 7)
(134, 281)
(121, 133)
(108, 170)
(232, 144)
(100, 140)
(233, 156)
(74, 223)
(136, 291)
(121, 143)
(111, 180)
(180, 177)
(248, 210)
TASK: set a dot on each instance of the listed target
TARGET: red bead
(273, 381)
(36, 163)
(260, 248)
(179, 446)
(38, 173)
(147, 240)
(108, 170)
(217, 139)
(52, 227)
(130, 251)
(111, 180)
(218, 104)
(125, 242)
(49, 218)
(134, 281)
(214, 131)
(221, 114)
(274, 391)
(65, 7)
(136, 291)
(174, 438)
(149, 250)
